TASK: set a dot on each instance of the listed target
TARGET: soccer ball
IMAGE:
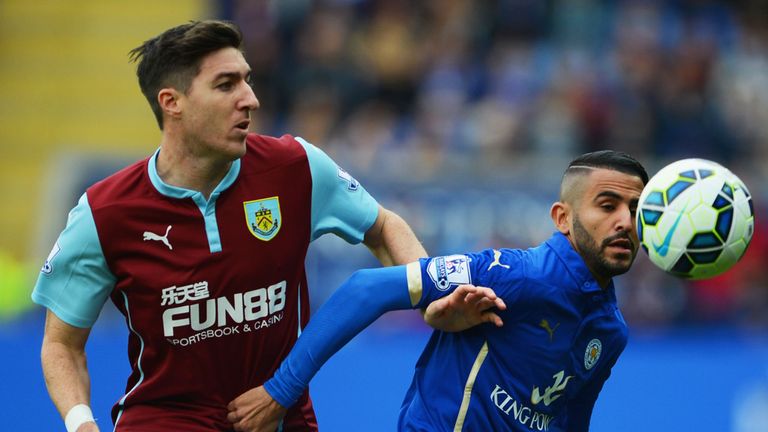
(695, 219)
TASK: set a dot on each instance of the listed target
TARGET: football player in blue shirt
(563, 331)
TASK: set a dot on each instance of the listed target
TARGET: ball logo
(592, 354)
(663, 249)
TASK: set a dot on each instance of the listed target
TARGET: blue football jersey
(541, 371)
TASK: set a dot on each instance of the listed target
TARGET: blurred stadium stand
(460, 116)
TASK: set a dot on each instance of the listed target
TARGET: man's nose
(249, 101)
(626, 220)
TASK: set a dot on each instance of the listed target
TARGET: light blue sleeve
(75, 281)
(340, 205)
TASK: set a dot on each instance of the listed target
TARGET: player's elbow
(380, 290)
(361, 289)
(361, 282)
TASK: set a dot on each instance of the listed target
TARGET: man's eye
(225, 86)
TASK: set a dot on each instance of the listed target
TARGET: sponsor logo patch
(449, 271)
(191, 315)
(552, 392)
(263, 217)
(352, 184)
(47, 266)
(519, 411)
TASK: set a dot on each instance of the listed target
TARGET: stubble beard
(595, 256)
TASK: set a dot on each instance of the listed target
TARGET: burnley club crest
(263, 217)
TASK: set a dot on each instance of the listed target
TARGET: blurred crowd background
(487, 101)
(458, 114)
(461, 116)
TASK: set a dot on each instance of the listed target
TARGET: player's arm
(365, 296)
(73, 285)
(392, 241)
(341, 205)
(66, 372)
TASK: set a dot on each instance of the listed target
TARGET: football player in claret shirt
(201, 246)
(562, 331)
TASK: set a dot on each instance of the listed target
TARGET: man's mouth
(619, 243)
(243, 125)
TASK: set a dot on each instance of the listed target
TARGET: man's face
(216, 108)
(603, 222)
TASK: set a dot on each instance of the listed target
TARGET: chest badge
(263, 217)
(592, 354)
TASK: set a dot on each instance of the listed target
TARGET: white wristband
(78, 415)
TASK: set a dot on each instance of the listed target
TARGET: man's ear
(168, 98)
(561, 214)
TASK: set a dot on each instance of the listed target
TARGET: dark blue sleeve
(580, 408)
(365, 296)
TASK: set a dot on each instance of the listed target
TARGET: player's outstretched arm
(66, 373)
(362, 298)
(392, 241)
(464, 308)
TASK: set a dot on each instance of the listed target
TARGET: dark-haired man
(562, 333)
(201, 246)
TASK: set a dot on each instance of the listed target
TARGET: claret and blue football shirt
(541, 371)
(213, 289)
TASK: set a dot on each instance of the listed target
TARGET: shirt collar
(179, 192)
(574, 264)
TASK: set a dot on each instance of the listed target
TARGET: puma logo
(152, 236)
(496, 262)
(551, 330)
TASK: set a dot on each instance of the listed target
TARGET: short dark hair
(610, 159)
(173, 58)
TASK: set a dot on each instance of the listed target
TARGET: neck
(178, 166)
(601, 280)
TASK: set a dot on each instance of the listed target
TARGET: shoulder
(521, 273)
(124, 183)
(257, 141)
(267, 151)
(548, 276)
(543, 262)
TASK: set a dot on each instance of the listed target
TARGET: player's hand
(255, 411)
(465, 307)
